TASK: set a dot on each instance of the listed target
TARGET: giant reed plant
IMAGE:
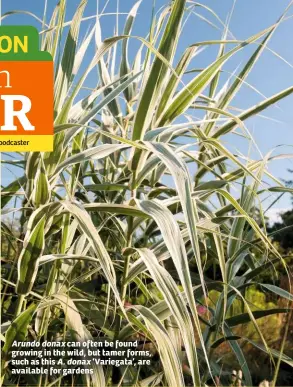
(108, 245)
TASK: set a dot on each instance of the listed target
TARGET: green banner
(21, 43)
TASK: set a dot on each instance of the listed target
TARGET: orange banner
(26, 101)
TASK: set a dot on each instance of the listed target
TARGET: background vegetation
(142, 223)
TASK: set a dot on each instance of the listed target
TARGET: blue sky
(269, 76)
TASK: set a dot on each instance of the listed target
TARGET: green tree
(283, 230)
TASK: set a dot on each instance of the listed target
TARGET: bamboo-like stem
(276, 373)
(20, 302)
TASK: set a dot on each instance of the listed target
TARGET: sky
(272, 73)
